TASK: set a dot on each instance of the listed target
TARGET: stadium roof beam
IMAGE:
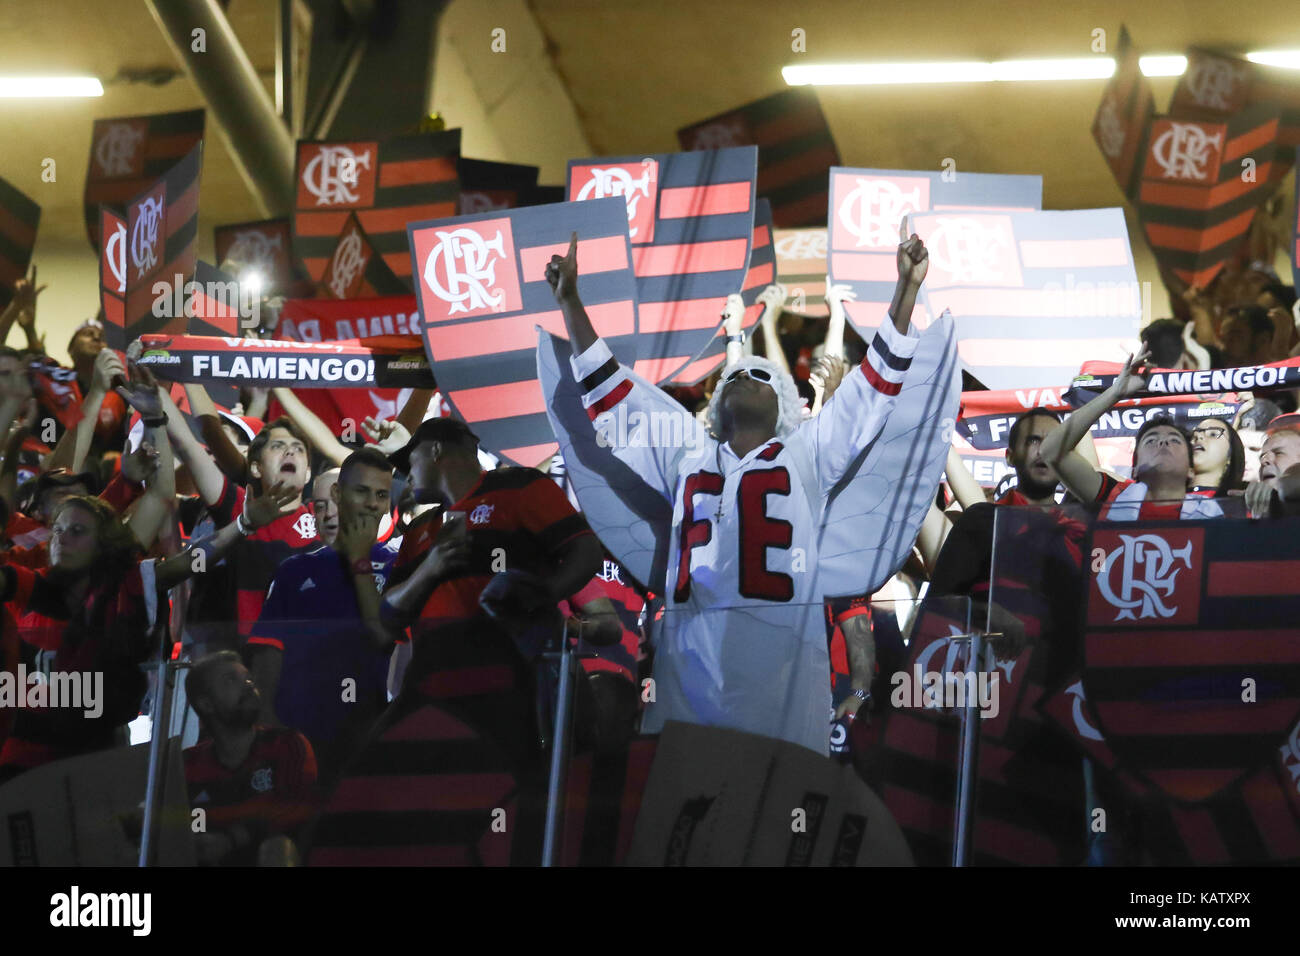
(259, 142)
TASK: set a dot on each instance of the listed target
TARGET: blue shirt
(311, 614)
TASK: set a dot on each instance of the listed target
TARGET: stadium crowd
(323, 590)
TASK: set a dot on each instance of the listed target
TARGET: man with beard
(251, 782)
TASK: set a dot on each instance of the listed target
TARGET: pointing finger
(573, 247)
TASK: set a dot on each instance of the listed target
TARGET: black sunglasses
(757, 374)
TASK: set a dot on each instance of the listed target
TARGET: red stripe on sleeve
(878, 383)
(610, 400)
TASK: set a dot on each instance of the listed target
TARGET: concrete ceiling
(637, 71)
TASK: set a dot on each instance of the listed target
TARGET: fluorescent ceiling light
(973, 71)
(46, 86)
(1163, 65)
(1287, 58)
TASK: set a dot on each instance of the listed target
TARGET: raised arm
(963, 485)
(317, 432)
(1078, 474)
(152, 510)
(259, 511)
(562, 274)
(207, 477)
(22, 307)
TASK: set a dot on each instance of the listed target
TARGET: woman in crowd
(1218, 459)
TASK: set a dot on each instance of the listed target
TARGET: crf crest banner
(160, 245)
(263, 247)
(1122, 118)
(867, 207)
(483, 292)
(127, 153)
(795, 149)
(1032, 292)
(1192, 649)
(761, 274)
(387, 183)
(1202, 183)
(487, 186)
(690, 217)
(355, 270)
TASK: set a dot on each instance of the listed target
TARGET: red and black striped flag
(127, 153)
(487, 186)
(867, 207)
(690, 217)
(1202, 185)
(482, 291)
(1032, 292)
(1215, 86)
(112, 277)
(1191, 654)
(355, 270)
(19, 217)
(212, 303)
(761, 274)
(161, 239)
(388, 183)
(801, 267)
(795, 151)
(1124, 115)
(262, 247)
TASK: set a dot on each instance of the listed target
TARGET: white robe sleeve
(640, 424)
(857, 411)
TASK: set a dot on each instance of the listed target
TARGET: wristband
(160, 422)
(362, 566)
(862, 695)
(737, 339)
(242, 528)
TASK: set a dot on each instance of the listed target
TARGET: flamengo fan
(387, 183)
(690, 217)
(761, 274)
(19, 217)
(867, 207)
(1202, 185)
(795, 149)
(127, 153)
(482, 291)
(1032, 292)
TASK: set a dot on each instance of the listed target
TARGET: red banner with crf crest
(483, 292)
(1192, 648)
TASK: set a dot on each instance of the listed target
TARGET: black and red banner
(867, 207)
(273, 363)
(355, 270)
(127, 153)
(1202, 184)
(161, 243)
(263, 247)
(690, 218)
(1096, 377)
(1122, 118)
(1031, 292)
(483, 291)
(1216, 85)
(112, 277)
(761, 274)
(489, 186)
(801, 266)
(388, 183)
(1191, 652)
(329, 320)
(19, 217)
(795, 151)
